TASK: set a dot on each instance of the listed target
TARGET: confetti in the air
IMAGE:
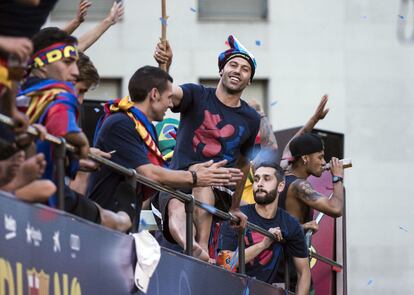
(258, 42)
(370, 282)
(96, 110)
(163, 21)
(193, 9)
(273, 103)
(403, 228)
(401, 17)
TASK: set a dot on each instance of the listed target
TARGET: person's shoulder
(192, 86)
(116, 122)
(198, 88)
(303, 190)
(248, 209)
(117, 118)
(287, 218)
(249, 110)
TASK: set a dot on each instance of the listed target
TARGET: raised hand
(163, 53)
(82, 10)
(336, 167)
(116, 13)
(320, 111)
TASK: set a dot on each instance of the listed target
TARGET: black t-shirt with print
(264, 266)
(211, 130)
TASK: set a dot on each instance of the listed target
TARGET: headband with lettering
(53, 53)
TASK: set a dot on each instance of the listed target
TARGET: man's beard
(268, 198)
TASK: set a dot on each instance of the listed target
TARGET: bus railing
(62, 146)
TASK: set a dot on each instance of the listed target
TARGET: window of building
(66, 10)
(257, 91)
(232, 10)
(108, 88)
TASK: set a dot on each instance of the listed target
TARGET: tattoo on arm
(268, 139)
(304, 191)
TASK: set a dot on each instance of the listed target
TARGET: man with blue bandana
(216, 124)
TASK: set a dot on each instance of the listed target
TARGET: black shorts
(81, 206)
(159, 207)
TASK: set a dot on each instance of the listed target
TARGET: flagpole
(164, 28)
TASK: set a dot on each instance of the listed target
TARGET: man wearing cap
(298, 197)
(216, 124)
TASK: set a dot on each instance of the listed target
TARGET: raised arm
(318, 115)
(163, 55)
(90, 37)
(333, 207)
(74, 23)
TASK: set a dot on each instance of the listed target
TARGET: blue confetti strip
(401, 17)
(235, 259)
(143, 222)
(370, 282)
(258, 42)
(96, 110)
(403, 228)
(193, 9)
(163, 21)
(364, 17)
(273, 103)
(210, 208)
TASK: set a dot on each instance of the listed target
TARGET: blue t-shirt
(211, 130)
(264, 266)
(117, 134)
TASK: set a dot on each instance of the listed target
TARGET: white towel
(148, 255)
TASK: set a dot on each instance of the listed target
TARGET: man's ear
(281, 186)
(305, 159)
(221, 72)
(41, 72)
(154, 94)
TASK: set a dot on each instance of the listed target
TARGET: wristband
(194, 175)
(336, 179)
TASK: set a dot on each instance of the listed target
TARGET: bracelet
(336, 179)
(194, 175)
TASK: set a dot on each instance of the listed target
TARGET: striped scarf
(42, 94)
(143, 126)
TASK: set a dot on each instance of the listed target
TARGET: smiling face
(235, 76)
(161, 102)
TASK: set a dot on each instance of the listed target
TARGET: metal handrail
(130, 173)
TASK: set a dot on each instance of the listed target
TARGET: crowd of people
(224, 152)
